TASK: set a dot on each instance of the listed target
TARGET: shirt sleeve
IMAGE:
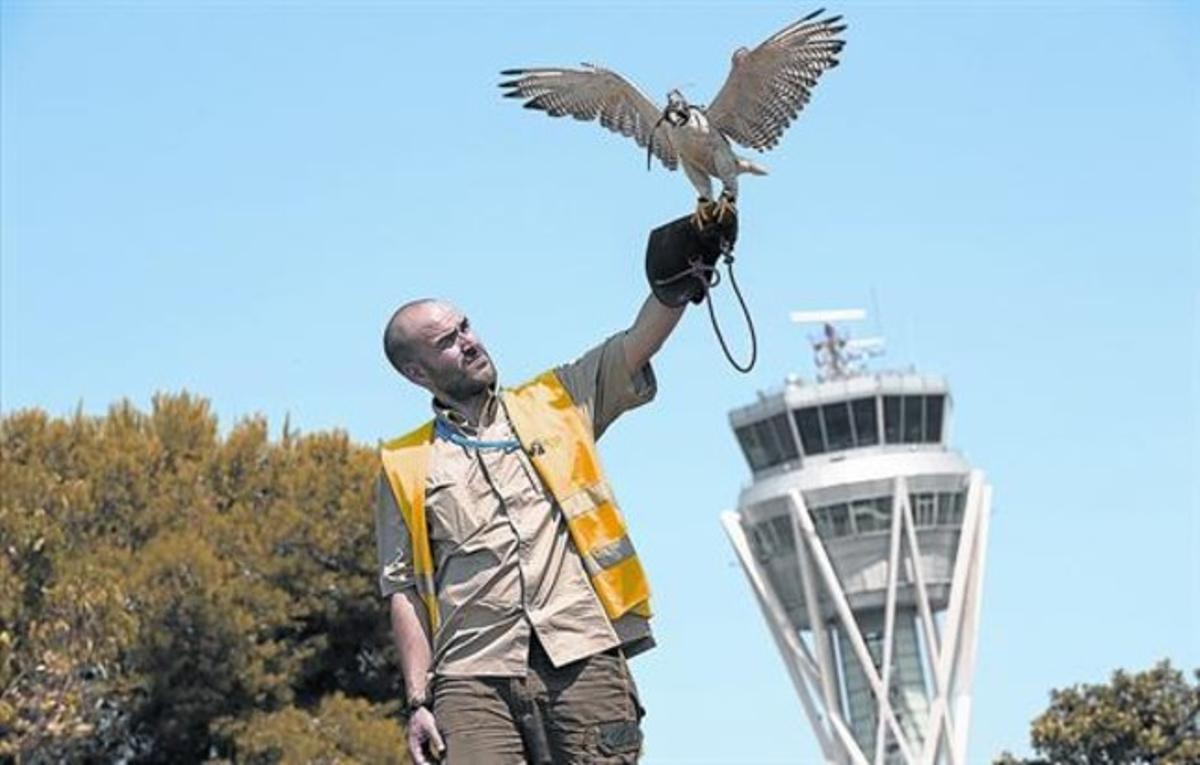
(392, 542)
(603, 386)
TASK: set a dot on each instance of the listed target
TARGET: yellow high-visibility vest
(559, 443)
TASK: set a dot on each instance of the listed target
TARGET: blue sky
(232, 198)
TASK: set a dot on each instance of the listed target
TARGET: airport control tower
(863, 535)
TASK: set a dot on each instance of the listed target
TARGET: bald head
(398, 334)
(433, 345)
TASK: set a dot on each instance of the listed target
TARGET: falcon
(766, 88)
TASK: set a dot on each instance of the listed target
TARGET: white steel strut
(947, 649)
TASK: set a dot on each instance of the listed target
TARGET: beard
(466, 383)
(467, 388)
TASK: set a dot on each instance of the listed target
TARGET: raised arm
(651, 328)
(679, 255)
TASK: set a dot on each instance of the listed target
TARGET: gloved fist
(681, 256)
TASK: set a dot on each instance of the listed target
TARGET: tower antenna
(835, 354)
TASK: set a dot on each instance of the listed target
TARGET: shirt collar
(456, 420)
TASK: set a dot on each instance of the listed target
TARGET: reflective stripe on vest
(559, 443)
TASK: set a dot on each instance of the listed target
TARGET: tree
(1150, 717)
(169, 594)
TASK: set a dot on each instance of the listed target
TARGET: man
(516, 594)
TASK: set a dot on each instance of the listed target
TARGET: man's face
(450, 360)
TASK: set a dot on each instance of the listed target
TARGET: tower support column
(905, 722)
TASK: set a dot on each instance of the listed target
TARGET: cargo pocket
(621, 737)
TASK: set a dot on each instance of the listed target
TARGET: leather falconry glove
(681, 257)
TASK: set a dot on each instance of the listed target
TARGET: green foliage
(341, 730)
(1147, 717)
(171, 595)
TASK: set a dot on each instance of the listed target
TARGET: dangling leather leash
(711, 277)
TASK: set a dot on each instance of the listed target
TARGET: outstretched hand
(425, 745)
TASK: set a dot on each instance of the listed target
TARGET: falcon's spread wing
(768, 86)
(593, 92)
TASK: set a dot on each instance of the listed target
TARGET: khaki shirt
(504, 563)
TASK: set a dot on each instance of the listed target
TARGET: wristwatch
(413, 703)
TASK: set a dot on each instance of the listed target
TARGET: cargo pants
(589, 713)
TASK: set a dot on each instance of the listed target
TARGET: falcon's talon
(726, 207)
(706, 211)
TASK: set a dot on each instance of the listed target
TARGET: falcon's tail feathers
(746, 166)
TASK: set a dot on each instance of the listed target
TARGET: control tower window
(944, 508)
(950, 507)
(914, 419)
(842, 425)
(837, 426)
(862, 516)
(763, 545)
(873, 514)
(763, 548)
(767, 442)
(772, 537)
(933, 418)
(866, 429)
(808, 422)
(755, 453)
(923, 509)
(782, 527)
(891, 419)
(832, 521)
(783, 437)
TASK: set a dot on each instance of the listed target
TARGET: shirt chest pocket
(469, 498)
(461, 509)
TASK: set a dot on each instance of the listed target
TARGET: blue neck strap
(444, 431)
